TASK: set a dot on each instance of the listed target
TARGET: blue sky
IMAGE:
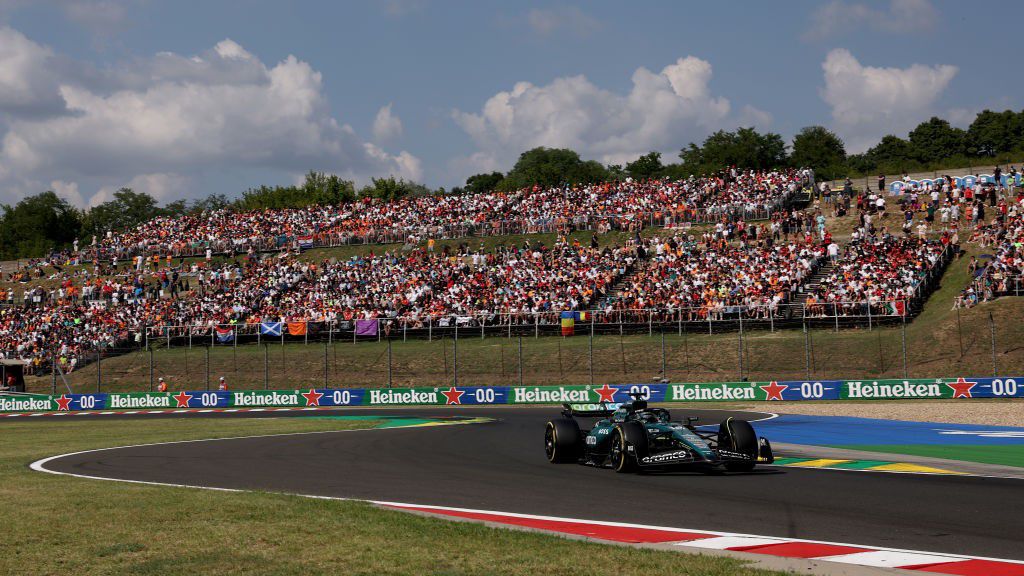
(182, 99)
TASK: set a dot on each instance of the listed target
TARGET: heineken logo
(23, 404)
(144, 401)
(723, 391)
(558, 395)
(402, 397)
(904, 389)
(266, 398)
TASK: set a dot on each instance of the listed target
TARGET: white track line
(876, 554)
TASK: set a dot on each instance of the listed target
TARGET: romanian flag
(568, 323)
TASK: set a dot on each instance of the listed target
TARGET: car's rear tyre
(563, 441)
(629, 445)
(739, 436)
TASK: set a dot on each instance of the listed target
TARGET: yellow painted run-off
(862, 465)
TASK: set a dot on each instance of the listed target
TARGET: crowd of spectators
(877, 274)
(715, 279)
(622, 205)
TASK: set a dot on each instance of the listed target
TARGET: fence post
(536, 325)
(266, 366)
(389, 361)
(591, 351)
(650, 323)
(306, 333)
(53, 372)
(959, 332)
(455, 355)
(430, 328)
(520, 360)
(868, 302)
(835, 313)
(905, 370)
(807, 349)
(99, 370)
(992, 330)
(664, 361)
(208, 367)
(741, 347)
(150, 370)
(325, 365)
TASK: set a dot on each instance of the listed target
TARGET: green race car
(633, 436)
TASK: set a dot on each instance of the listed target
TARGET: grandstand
(753, 258)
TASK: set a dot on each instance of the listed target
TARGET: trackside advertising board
(788, 390)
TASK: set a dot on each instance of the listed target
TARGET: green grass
(1002, 455)
(63, 525)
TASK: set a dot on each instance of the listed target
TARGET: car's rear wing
(601, 410)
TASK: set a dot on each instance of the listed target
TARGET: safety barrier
(938, 388)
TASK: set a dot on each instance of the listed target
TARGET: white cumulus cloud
(662, 111)
(548, 21)
(386, 126)
(838, 17)
(869, 102)
(151, 120)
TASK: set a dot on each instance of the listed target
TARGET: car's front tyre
(629, 445)
(739, 436)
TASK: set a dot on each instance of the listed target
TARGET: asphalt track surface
(500, 466)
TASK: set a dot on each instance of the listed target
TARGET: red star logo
(774, 390)
(606, 393)
(312, 397)
(961, 388)
(182, 399)
(63, 403)
(453, 394)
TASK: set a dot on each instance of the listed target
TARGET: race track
(501, 466)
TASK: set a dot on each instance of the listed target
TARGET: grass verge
(1002, 455)
(61, 525)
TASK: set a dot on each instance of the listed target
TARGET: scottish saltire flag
(225, 334)
(271, 328)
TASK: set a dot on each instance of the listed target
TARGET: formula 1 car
(633, 437)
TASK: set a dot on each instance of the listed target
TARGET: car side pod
(764, 451)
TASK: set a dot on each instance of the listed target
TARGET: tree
(548, 167)
(745, 148)
(482, 183)
(891, 152)
(993, 133)
(820, 149)
(646, 166)
(38, 225)
(935, 139)
(128, 209)
(210, 203)
(327, 190)
(389, 189)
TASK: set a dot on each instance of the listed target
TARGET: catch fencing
(652, 349)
